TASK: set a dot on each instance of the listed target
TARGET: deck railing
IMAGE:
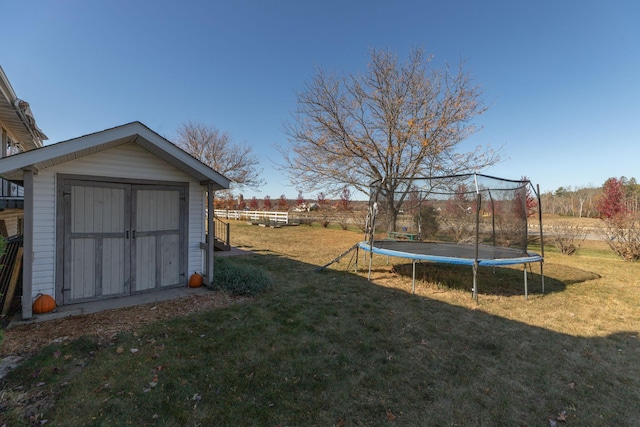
(255, 216)
(9, 189)
(222, 231)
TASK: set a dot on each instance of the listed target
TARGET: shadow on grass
(334, 349)
(500, 281)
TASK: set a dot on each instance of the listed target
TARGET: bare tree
(215, 148)
(395, 120)
(585, 198)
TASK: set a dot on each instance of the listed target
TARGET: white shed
(111, 214)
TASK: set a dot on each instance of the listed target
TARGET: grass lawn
(333, 349)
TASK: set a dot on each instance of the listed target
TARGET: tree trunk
(392, 213)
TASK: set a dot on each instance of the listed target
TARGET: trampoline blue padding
(451, 253)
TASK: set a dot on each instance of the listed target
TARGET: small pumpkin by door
(195, 280)
(43, 304)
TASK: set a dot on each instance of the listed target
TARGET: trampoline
(450, 253)
(470, 219)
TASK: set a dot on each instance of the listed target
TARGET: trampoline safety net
(471, 219)
(470, 209)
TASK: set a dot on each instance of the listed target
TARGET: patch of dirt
(24, 340)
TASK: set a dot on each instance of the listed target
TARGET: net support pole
(475, 261)
(541, 235)
(526, 291)
(475, 280)
(413, 280)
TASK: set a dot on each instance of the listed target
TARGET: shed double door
(121, 239)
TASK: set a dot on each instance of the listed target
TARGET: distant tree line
(580, 202)
(584, 202)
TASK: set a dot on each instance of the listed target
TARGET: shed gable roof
(12, 167)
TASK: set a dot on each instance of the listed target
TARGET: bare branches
(395, 120)
(217, 149)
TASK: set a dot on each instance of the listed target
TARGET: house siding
(128, 161)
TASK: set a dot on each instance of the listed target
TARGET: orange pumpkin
(195, 280)
(43, 304)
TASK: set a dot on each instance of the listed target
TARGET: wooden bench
(396, 235)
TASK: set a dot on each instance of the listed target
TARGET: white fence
(254, 216)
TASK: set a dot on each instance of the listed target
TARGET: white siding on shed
(128, 161)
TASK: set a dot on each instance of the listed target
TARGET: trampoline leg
(475, 281)
(357, 257)
(526, 291)
(413, 282)
(542, 274)
(370, 266)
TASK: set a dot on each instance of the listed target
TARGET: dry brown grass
(587, 295)
(591, 295)
(331, 348)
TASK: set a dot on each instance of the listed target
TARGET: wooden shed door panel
(157, 237)
(121, 239)
(97, 268)
(96, 251)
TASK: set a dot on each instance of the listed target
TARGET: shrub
(622, 233)
(343, 220)
(427, 222)
(324, 219)
(567, 238)
(305, 219)
(241, 280)
(359, 218)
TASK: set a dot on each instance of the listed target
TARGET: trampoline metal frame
(415, 257)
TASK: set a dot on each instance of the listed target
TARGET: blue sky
(561, 77)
